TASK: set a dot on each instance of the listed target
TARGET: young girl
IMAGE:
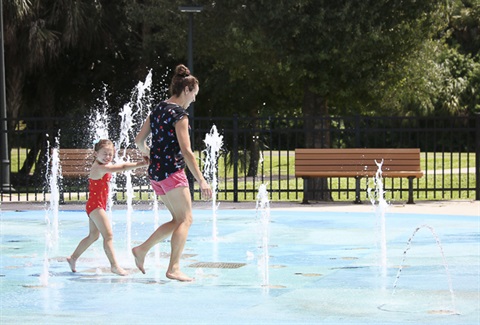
(100, 175)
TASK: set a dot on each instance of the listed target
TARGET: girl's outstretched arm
(124, 166)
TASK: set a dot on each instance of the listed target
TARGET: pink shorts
(177, 179)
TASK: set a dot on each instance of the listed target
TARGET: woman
(170, 152)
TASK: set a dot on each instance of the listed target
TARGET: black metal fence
(259, 151)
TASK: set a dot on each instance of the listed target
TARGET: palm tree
(38, 35)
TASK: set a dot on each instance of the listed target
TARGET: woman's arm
(141, 138)
(181, 128)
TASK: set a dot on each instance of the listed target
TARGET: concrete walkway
(450, 207)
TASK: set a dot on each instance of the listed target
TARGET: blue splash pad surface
(323, 267)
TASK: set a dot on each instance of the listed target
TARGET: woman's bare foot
(179, 276)
(71, 261)
(118, 270)
(139, 258)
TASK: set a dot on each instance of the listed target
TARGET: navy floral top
(165, 155)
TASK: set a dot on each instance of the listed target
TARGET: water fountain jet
(51, 212)
(263, 205)
(214, 142)
(445, 265)
(377, 198)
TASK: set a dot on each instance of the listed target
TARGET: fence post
(235, 158)
(4, 154)
(477, 156)
(357, 131)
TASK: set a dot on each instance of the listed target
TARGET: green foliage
(342, 50)
(254, 58)
(438, 80)
(464, 25)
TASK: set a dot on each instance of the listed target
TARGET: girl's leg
(93, 235)
(100, 218)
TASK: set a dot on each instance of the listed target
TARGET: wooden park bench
(357, 163)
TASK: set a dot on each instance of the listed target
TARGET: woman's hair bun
(182, 79)
(182, 70)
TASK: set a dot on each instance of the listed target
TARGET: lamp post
(191, 10)
(5, 162)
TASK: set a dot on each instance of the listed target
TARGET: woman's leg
(162, 232)
(93, 235)
(180, 203)
(100, 218)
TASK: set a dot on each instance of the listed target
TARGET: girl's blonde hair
(99, 144)
(102, 143)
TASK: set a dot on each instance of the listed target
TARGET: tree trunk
(254, 150)
(31, 158)
(48, 103)
(317, 135)
(45, 99)
(14, 94)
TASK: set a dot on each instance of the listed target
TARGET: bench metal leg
(305, 191)
(61, 192)
(357, 191)
(410, 191)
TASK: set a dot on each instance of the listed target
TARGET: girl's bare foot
(179, 276)
(71, 261)
(139, 258)
(118, 270)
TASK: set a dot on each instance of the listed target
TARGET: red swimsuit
(98, 193)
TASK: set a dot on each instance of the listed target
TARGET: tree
(464, 38)
(51, 49)
(330, 53)
(314, 58)
(442, 76)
